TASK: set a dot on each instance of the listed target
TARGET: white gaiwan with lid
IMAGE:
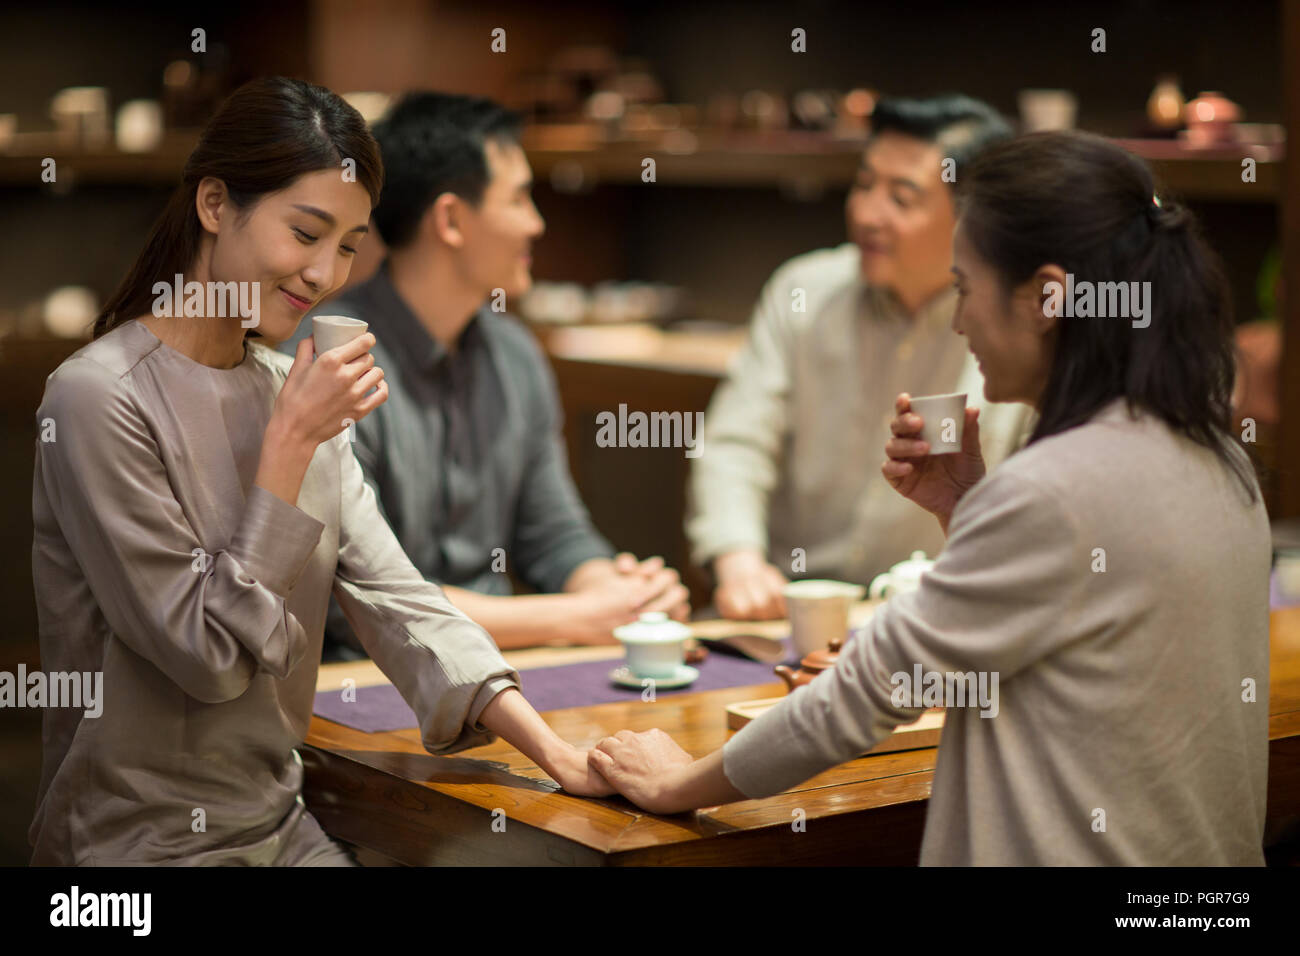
(655, 645)
(903, 577)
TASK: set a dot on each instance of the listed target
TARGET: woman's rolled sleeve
(275, 540)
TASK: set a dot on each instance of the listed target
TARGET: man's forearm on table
(589, 574)
(525, 620)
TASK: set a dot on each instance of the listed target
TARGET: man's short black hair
(433, 143)
(960, 126)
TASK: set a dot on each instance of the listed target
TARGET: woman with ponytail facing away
(1113, 573)
(201, 500)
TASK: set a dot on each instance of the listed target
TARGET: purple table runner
(381, 708)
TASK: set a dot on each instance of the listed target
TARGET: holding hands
(642, 767)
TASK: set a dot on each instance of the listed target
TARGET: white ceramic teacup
(331, 331)
(819, 612)
(943, 417)
(655, 645)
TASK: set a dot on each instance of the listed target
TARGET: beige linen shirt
(1124, 733)
(794, 438)
(202, 599)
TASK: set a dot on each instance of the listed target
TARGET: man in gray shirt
(467, 456)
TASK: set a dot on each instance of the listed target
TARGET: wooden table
(383, 792)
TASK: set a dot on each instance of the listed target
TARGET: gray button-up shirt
(467, 455)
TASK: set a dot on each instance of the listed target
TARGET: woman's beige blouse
(1114, 579)
(202, 600)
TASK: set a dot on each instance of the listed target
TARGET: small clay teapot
(810, 666)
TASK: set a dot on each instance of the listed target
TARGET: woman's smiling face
(1010, 335)
(297, 243)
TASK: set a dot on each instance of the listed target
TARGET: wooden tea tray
(921, 733)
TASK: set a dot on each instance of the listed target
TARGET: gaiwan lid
(653, 627)
(911, 569)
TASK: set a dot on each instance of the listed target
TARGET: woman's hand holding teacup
(317, 401)
(321, 397)
(935, 482)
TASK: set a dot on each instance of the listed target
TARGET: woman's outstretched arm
(444, 665)
(1003, 595)
(513, 719)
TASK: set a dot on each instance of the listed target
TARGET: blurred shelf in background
(574, 159)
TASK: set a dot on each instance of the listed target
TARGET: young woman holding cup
(198, 500)
(1113, 574)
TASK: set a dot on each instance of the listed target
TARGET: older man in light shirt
(788, 484)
